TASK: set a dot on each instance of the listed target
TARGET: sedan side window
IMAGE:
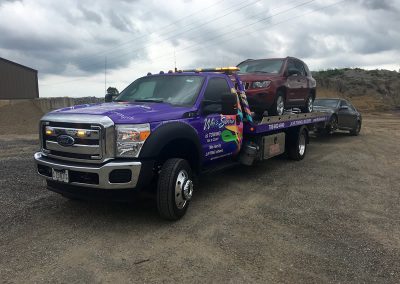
(352, 107)
(343, 103)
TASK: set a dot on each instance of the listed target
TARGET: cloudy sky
(72, 43)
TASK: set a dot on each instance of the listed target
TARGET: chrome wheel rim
(280, 107)
(183, 189)
(310, 104)
(302, 144)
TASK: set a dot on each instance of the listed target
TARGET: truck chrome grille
(87, 142)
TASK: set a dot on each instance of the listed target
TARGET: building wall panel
(17, 81)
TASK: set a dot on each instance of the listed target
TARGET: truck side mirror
(343, 108)
(112, 93)
(110, 97)
(229, 104)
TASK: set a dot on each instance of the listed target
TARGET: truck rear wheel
(174, 189)
(297, 144)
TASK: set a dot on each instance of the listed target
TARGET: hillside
(369, 90)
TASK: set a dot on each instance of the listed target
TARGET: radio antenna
(105, 74)
(175, 61)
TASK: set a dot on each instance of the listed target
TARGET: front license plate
(60, 175)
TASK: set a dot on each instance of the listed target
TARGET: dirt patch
(20, 118)
(363, 103)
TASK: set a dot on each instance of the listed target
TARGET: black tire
(332, 125)
(309, 105)
(356, 130)
(166, 188)
(277, 108)
(296, 143)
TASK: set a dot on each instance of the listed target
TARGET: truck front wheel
(174, 189)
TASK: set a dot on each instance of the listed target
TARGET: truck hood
(129, 112)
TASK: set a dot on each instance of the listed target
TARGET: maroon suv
(277, 84)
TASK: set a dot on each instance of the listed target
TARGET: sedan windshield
(272, 66)
(326, 103)
(179, 90)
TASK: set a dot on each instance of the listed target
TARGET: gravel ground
(333, 217)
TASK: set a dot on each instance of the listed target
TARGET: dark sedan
(344, 115)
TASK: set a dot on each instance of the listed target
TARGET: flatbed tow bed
(273, 123)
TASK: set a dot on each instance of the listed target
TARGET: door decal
(223, 136)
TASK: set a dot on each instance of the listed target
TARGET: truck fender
(165, 134)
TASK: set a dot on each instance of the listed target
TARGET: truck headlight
(260, 84)
(130, 139)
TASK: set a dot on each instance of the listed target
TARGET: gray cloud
(120, 22)
(91, 16)
(73, 39)
(8, 1)
(378, 4)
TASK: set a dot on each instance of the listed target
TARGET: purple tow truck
(166, 130)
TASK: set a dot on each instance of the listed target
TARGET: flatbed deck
(272, 123)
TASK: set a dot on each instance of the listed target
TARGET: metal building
(17, 81)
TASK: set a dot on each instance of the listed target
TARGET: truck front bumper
(111, 175)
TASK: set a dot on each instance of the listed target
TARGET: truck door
(221, 135)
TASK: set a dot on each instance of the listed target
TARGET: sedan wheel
(332, 125)
(356, 130)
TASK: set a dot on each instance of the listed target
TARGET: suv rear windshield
(179, 90)
(326, 103)
(272, 66)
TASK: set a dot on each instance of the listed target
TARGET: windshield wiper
(149, 100)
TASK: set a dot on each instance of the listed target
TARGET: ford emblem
(65, 140)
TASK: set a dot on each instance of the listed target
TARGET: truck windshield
(326, 103)
(179, 90)
(272, 66)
